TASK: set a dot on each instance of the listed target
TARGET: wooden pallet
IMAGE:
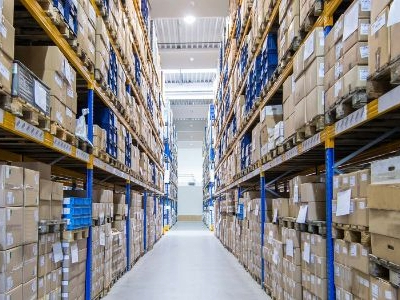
(384, 79)
(315, 227)
(290, 142)
(101, 79)
(316, 125)
(25, 110)
(75, 235)
(352, 233)
(84, 146)
(99, 153)
(346, 105)
(61, 133)
(312, 16)
(50, 226)
(382, 268)
(119, 217)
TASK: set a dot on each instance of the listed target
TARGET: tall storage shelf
(262, 159)
(120, 147)
(170, 202)
(208, 170)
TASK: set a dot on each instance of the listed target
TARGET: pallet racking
(22, 141)
(353, 141)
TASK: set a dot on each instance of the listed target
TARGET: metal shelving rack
(170, 199)
(208, 171)
(355, 140)
(21, 141)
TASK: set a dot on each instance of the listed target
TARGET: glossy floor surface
(188, 263)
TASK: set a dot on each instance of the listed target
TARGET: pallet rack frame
(323, 143)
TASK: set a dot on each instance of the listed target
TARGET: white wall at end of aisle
(190, 201)
(190, 166)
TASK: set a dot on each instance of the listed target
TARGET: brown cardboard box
(7, 38)
(288, 87)
(31, 220)
(355, 79)
(316, 211)
(358, 257)
(57, 192)
(11, 219)
(6, 72)
(314, 75)
(31, 179)
(356, 56)
(341, 252)
(379, 50)
(377, 7)
(314, 46)
(318, 245)
(343, 276)
(384, 196)
(29, 270)
(281, 205)
(41, 288)
(339, 219)
(288, 107)
(312, 192)
(30, 251)
(46, 187)
(298, 63)
(300, 114)
(11, 177)
(30, 290)
(329, 79)
(10, 280)
(8, 10)
(358, 213)
(384, 222)
(315, 103)
(394, 47)
(43, 169)
(11, 197)
(381, 289)
(386, 247)
(57, 111)
(360, 284)
(44, 210)
(56, 210)
(11, 259)
(386, 171)
(15, 294)
(359, 35)
(299, 89)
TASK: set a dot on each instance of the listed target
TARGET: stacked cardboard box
(50, 65)
(308, 73)
(118, 252)
(289, 30)
(136, 215)
(7, 44)
(150, 218)
(288, 106)
(73, 269)
(347, 53)
(271, 128)
(86, 37)
(99, 138)
(102, 52)
(313, 264)
(291, 264)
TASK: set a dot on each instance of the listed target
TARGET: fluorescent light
(189, 19)
(189, 71)
(191, 59)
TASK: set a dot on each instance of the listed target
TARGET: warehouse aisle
(187, 263)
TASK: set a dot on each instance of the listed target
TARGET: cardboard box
(314, 46)
(57, 191)
(386, 171)
(358, 257)
(281, 205)
(299, 89)
(386, 247)
(378, 41)
(6, 74)
(358, 213)
(11, 259)
(11, 197)
(384, 222)
(30, 251)
(316, 211)
(10, 280)
(343, 276)
(315, 103)
(384, 196)
(314, 75)
(355, 79)
(57, 111)
(381, 289)
(394, 47)
(312, 192)
(56, 210)
(30, 290)
(329, 79)
(31, 221)
(31, 198)
(11, 230)
(30, 270)
(359, 35)
(31, 179)
(43, 169)
(41, 288)
(46, 188)
(44, 210)
(298, 63)
(11, 177)
(300, 114)
(356, 56)
(7, 38)
(360, 284)
(13, 294)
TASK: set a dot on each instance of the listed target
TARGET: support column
(128, 225)
(263, 209)
(145, 221)
(89, 194)
(329, 163)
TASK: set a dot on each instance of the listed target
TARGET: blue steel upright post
(144, 221)
(263, 208)
(89, 194)
(329, 163)
(128, 224)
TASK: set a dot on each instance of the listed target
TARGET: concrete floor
(188, 263)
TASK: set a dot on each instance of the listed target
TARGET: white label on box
(74, 253)
(59, 117)
(321, 70)
(388, 295)
(10, 197)
(350, 23)
(343, 203)
(365, 5)
(394, 15)
(3, 31)
(309, 46)
(363, 74)
(4, 72)
(351, 207)
(40, 96)
(361, 205)
(57, 252)
(296, 194)
(58, 80)
(336, 182)
(312, 258)
(344, 250)
(70, 92)
(301, 217)
(353, 250)
(365, 27)
(289, 247)
(352, 180)
(364, 252)
(275, 218)
(66, 210)
(10, 282)
(102, 239)
(306, 252)
(378, 24)
(10, 239)
(364, 51)
(345, 180)
(338, 87)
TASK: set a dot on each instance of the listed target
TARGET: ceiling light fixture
(191, 59)
(189, 19)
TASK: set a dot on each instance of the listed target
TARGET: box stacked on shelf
(289, 29)
(99, 140)
(136, 215)
(308, 73)
(291, 263)
(288, 107)
(73, 269)
(347, 53)
(86, 34)
(271, 124)
(102, 53)
(7, 45)
(118, 252)
(150, 226)
(108, 121)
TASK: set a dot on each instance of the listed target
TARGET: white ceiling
(189, 55)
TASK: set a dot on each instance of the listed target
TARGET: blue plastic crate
(69, 11)
(76, 201)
